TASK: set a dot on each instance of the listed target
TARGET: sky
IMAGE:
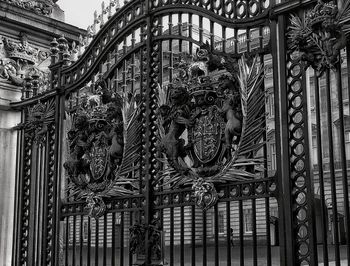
(80, 13)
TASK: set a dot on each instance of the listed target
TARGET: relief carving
(19, 63)
(41, 7)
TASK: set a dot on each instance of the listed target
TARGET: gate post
(54, 176)
(297, 235)
(149, 84)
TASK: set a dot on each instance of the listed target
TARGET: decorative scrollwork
(211, 128)
(321, 35)
(205, 193)
(39, 117)
(137, 240)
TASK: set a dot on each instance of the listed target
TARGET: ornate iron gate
(190, 133)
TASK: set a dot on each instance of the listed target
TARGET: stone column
(8, 146)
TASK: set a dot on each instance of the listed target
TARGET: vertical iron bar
(200, 29)
(287, 241)
(268, 232)
(43, 202)
(320, 171)
(212, 41)
(121, 258)
(241, 236)
(105, 240)
(193, 235)
(81, 240)
(255, 252)
(223, 34)
(338, 78)
(89, 243)
(332, 170)
(33, 238)
(190, 32)
(182, 236)
(67, 241)
(113, 240)
(229, 237)
(171, 61)
(172, 236)
(170, 23)
(18, 185)
(204, 238)
(235, 38)
(216, 235)
(97, 225)
(74, 238)
(130, 225)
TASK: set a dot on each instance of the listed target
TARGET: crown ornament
(21, 50)
(194, 75)
(322, 14)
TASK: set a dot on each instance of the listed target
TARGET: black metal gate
(191, 132)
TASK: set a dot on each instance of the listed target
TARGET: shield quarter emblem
(99, 158)
(207, 133)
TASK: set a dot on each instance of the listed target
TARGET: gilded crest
(211, 123)
(206, 134)
(104, 143)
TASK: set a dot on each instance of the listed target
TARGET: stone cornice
(40, 7)
(20, 19)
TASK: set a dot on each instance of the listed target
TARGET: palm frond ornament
(321, 34)
(210, 129)
(104, 149)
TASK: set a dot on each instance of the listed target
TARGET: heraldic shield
(206, 134)
(104, 143)
(211, 123)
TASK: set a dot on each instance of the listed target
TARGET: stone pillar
(8, 146)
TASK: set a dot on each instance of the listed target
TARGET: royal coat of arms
(104, 139)
(211, 123)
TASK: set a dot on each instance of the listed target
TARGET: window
(274, 211)
(347, 144)
(273, 156)
(270, 105)
(248, 220)
(221, 222)
(85, 231)
(70, 232)
(314, 150)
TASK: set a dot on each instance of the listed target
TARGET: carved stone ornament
(39, 117)
(211, 121)
(42, 7)
(104, 147)
(321, 35)
(19, 63)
